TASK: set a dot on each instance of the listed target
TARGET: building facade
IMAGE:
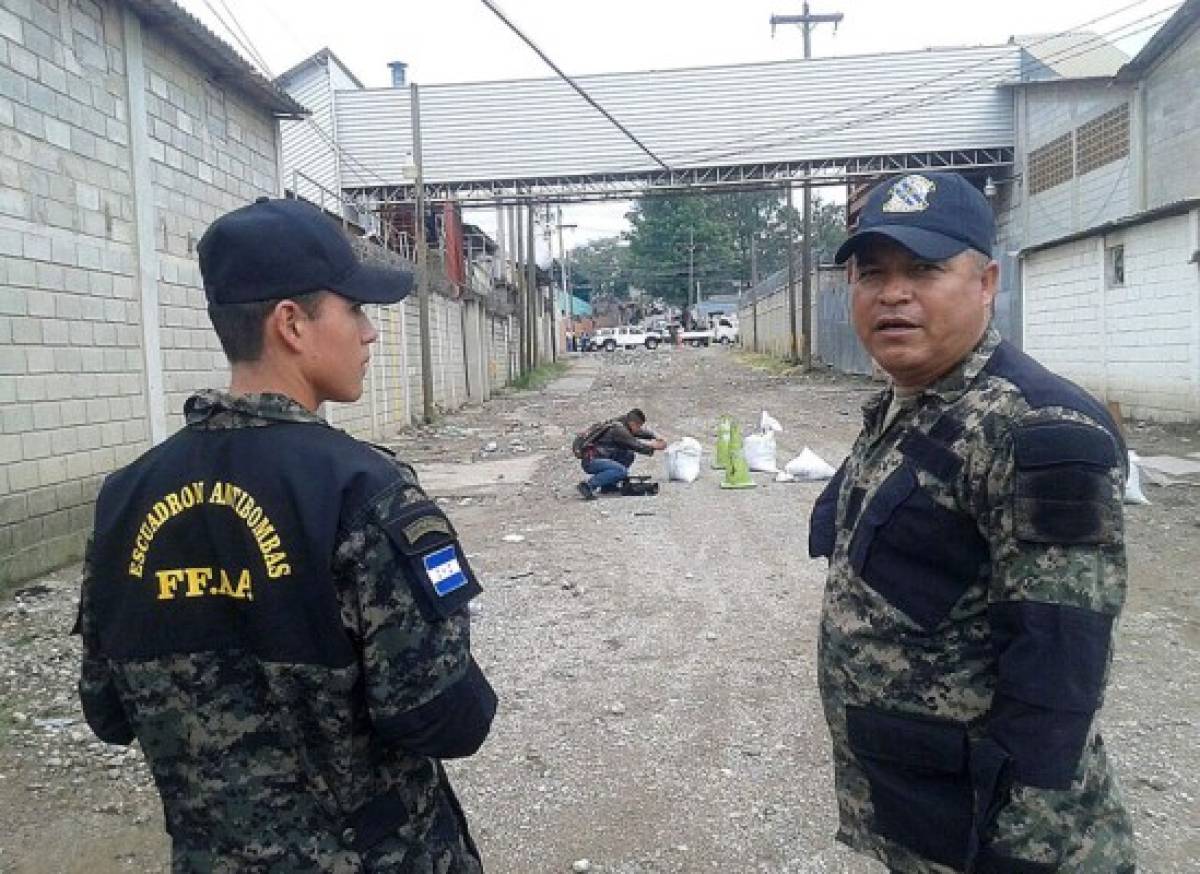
(1103, 212)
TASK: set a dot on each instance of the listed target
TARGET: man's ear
(990, 280)
(287, 324)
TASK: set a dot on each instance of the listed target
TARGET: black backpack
(587, 437)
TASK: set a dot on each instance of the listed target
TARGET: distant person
(276, 611)
(607, 450)
(976, 569)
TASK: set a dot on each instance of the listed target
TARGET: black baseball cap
(933, 215)
(276, 248)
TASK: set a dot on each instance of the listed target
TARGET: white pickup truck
(626, 337)
(724, 332)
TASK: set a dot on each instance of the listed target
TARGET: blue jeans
(608, 471)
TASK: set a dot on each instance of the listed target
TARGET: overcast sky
(462, 41)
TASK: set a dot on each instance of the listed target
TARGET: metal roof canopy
(827, 120)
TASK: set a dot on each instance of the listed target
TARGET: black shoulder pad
(433, 559)
(1051, 443)
(1062, 487)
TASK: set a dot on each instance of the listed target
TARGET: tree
(729, 239)
(601, 266)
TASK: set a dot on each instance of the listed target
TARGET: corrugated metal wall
(837, 343)
(304, 148)
(710, 116)
(834, 340)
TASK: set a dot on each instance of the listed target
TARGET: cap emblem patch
(909, 194)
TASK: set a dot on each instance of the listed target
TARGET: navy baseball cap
(274, 249)
(933, 215)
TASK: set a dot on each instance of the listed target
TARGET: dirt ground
(654, 656)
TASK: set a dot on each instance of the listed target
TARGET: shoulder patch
(432, 558)
(1063, 489)
(1049, 443)
(429, 524)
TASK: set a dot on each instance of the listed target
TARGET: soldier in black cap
(976, 569)
(274, 610)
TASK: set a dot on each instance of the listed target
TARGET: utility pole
(533, 299)
(422, 262)
(522, 288)
(691, 271)
(565, 267)
(754, 288)
(791, 276)
(807, 21)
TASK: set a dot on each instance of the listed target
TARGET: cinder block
(79, 465)
(23, 476)
(52, 470)
(23, 61)
(10, 449)
(26, 330)
(13, 362)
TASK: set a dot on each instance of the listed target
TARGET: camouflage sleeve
(102, 706)
(1054, 525)
(424, 691)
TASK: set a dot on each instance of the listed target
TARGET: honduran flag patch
(445, 571)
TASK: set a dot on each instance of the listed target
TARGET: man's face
(919, 318)
(337, 349)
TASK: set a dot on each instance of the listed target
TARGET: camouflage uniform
(296, 727)
(977, 569)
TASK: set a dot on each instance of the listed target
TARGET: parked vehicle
(696, 338)
(600, 338)
(627, 337)
(726, 331)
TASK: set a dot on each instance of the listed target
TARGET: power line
(252, 52)
(492, 6)
(932, 98)
(707, 153)
(258, 56)
(248, 51)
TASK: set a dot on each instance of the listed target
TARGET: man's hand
(658, 443)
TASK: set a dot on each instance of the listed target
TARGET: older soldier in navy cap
(976, 569)
(275, 611)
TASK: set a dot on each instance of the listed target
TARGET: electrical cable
(492, 6)
(924, 101)
(939, 78)
(247, 51)
(258, 56)
(252, 52)
(706, 154)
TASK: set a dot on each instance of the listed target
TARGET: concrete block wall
(392, 394)
(1139, 344)
(211, 152)
(1173, 124)
(774, 322)
(72, 376)
(1046, 112)
(77, 374)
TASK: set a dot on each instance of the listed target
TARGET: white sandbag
(759, 450)
(1133, 484)
(683, 460)
(767, 423)
(808, 466)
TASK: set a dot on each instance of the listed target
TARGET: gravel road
(654, 656)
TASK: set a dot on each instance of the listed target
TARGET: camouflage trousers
(446, 848)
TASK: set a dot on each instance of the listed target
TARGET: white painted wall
(1138, 345)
